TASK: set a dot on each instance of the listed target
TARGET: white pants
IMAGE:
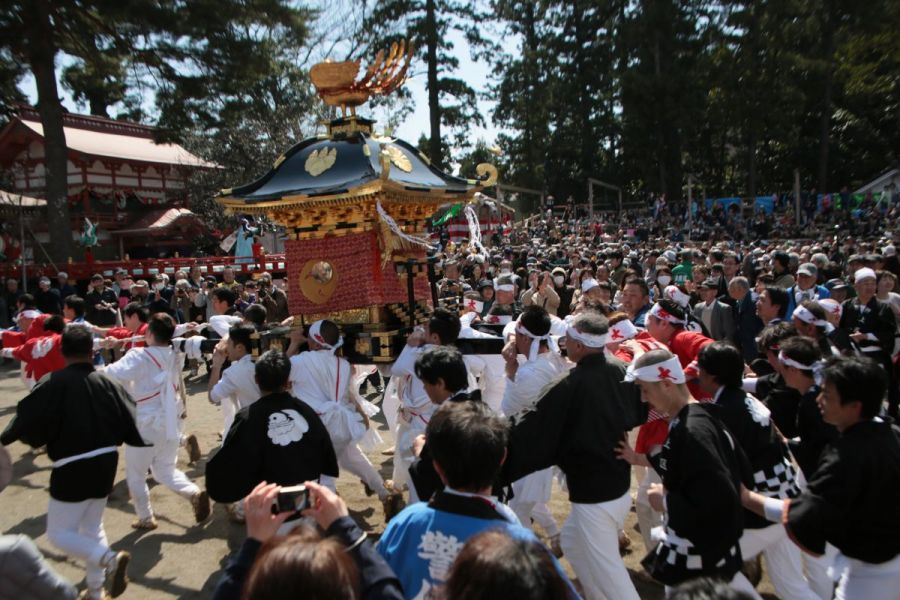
(529, 501)
(537, 511)
(352, 459)
(646, 516)
(739, 582)
(784, 562)
(160, 458)
(590, 540)
(76, 528)
(860, 580)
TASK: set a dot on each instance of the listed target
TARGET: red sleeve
(624, 355)
(23, 352)
(11, 339)
(119, 333)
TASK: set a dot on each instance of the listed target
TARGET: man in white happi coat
(525, 385)
(488, 369)
(234, 387)
(416, 407)
(153, 377)
(322, 379)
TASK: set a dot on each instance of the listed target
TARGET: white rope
(392, 224)
(474, 230)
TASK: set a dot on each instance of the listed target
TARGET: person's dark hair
(302, 565)
(26, 300)
(223, 294)
(724, 362)
(77, 342)
(443, 362)
(241, 335)
(54, 323)
(76, 303)
(858, 379)
(256, 314)
(492, 565)
(445, 325)
(802, 349)
(273, 369)
(162, 327)
(135, 308)
(673, 308)
(783, 258)
(536, 320)
(779, 296)
(772, 336)
(468, 441)
(645, 289)
(706, 588)
(330, 332)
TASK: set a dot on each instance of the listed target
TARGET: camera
(291, 499)
(210, 285)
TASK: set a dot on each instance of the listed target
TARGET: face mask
(158, 286)
(504, 271)
(664, 280)
(558, 279)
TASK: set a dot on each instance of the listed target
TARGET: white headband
(506, 287)
(832, 306)
(864, 273)
(591, 340)
(315, 333)
(30, 314)
(668, 370)
(588, 284)
(621, 331)
(474, 305)
(817, 368)
(804, 314)
(673, 293)
(498, 319)
(662, 314)
(535, 340)
(790, 362)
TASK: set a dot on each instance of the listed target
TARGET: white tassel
(392, 224)
(474, 230)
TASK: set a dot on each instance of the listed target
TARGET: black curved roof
(352, 168)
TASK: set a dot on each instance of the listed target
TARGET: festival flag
(453, 212)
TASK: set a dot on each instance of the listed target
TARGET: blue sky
(476, 73)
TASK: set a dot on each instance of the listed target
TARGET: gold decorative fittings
(318, 281)
(337, 85)
(400, 160)
(487, 174)
(320, 161)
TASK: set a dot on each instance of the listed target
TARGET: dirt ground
(181, 559)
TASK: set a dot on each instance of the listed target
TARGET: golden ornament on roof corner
(337, 85)
(320, 161)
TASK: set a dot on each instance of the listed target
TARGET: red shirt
(41, 355)
(123, 333)
(686, 346)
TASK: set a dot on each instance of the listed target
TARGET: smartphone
(291, 499)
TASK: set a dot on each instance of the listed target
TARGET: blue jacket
(422, 542)
(821, 291)
(747, 327)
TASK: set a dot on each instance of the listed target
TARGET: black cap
(836, 284)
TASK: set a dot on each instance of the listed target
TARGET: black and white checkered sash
(680, 554)
(778, 480)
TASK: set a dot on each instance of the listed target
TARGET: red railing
(147, 267)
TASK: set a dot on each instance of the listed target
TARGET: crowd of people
(748, 385)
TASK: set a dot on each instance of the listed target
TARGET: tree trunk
(825, 118)
(434, 106)
(42, 55)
